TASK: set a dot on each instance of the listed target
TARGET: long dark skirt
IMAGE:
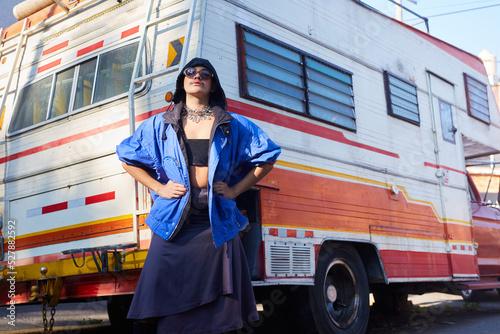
(189, 286)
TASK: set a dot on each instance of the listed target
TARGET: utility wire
(455, 5)
(463, 11)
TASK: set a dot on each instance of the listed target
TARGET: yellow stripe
(368, 181)
(64, 228)
(64, 268)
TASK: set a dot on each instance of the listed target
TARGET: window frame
(76, 65)
(242, 77)
(468, 100)
(388, 98)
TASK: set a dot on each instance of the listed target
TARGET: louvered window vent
(290, 259)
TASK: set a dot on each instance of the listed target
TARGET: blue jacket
(237, 145)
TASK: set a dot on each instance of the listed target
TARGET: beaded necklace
(197, 115)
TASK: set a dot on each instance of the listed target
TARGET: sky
(471, 30)
(463, 23)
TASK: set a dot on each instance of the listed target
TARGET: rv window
(32, 105)
(85, 84)
(477, 99)
(55, 95)
(330, 94)
(401, 96)
(62, 93)
(279, 75)
(447, 126)
(115, 72)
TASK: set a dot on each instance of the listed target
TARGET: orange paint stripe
(55, 48)
(48, 66)
(130, 32)
(343, 206)
(90, 48)
(78, 233)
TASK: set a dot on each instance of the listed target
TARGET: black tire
(340, 297)
(118, 307)
(472, 295)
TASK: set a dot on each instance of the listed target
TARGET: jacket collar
(221, 118)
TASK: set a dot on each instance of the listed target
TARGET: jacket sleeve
(254, 145)
(138, 150)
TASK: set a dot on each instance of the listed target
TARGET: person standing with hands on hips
(196, 159)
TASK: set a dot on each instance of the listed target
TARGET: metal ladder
(142, 201)
(22, 39)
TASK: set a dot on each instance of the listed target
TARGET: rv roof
(464, 56)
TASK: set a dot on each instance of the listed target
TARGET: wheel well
(368, 254)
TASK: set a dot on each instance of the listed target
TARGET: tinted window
(53, 96)
(280, 75)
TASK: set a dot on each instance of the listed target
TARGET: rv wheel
(340, 296)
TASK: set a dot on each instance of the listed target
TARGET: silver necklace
(197, 115)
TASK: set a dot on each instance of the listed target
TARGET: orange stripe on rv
(364, 207)
(90, 48)
(55, 48)
(48, 66)
(369, 182)
(130, 32)
(81, 231)
(291, 233)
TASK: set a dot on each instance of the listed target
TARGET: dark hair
(217, 96)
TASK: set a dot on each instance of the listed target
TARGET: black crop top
(197, 152)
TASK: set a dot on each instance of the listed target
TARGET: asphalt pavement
(433, 313)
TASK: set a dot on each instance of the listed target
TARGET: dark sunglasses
(205, 74)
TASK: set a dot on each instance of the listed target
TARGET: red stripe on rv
(273, 231)
(238, 107)
(48, 66)
(90, 48)
(78, 136)
(54, 207)
(302, 126)
(100, 198)
(428, 164)
(55, 48)
(130, 32)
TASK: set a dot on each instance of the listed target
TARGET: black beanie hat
(217, 97)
